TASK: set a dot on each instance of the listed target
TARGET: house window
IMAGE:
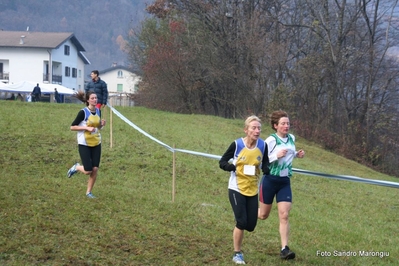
(80, 73)
(120, 74)
(66, 49)
(74, 72)
(119, 88)
(67, 71)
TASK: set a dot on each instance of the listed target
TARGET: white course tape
(349, 178)
(299, 171)
(139, 129)
(217, 157)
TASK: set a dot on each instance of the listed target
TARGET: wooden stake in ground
(110, 127)
(173, 174)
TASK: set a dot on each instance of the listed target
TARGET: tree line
(329, 64)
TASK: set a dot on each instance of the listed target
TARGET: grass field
(45, 218)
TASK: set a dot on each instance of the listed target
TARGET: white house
(121, 84)
(42, 57)
(120, 79)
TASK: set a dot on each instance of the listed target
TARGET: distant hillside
(96, 24)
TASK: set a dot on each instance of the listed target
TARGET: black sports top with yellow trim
(88, 118)
(248, 162)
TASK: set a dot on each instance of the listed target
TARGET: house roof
(115, 68)
(84, 58)
(31, 39)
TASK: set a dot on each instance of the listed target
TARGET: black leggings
(245, 210)
(90, 156)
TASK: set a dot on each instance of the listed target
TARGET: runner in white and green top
(283, 166)
(281, 152)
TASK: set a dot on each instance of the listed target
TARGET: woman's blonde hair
(250, 119)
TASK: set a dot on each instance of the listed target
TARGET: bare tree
(326, 62)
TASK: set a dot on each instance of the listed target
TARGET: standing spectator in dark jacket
(12, 97)
(36, 93)
(57, 96)
(99, 87)
(20, 98)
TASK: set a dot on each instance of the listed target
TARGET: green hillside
(47, 220)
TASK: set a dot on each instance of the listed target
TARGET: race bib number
(249, 170)
(284, 172)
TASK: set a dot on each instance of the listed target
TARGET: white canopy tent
(27, 87)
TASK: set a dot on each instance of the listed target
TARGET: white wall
(28, 64)
(70, 61)
(128, 80)
(81, 75)
(25, 64)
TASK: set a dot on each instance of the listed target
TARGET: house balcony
(56, 79)
(5, 76)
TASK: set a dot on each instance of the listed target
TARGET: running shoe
(239, 258)
(90, 196)
(72, 170)
(287, 254)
